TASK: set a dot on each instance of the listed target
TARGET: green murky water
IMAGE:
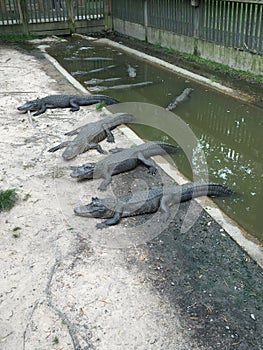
(230, 131)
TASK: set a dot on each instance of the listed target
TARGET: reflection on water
(229, 131)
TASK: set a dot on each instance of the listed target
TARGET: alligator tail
(167, 147)
(103, 98)
(198, 189)
(183, 193)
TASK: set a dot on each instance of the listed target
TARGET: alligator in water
(96, 70)
(89, 135)
(95, 81)
(64, 101)
(148, 201)
(119, 87)
(184, 95)
(131, 71)
(122, 160)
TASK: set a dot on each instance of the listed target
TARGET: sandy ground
(65, 285)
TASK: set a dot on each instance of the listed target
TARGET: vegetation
(26, 197)
(100, 105)
(224, 68)
(16, 38)
(16, 235)
(7, 199)
(55, 340)
(215, 66)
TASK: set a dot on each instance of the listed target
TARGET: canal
(228, 130)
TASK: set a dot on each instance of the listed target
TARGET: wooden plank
(228, 24)
(249, 27)
(254, 43)
(260, 31)
(217, 20)
(220, 20)
(235, 25)
(244, 43)
(232, 22)
(23, 13)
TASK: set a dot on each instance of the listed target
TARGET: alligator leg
(61, 145)
(164, 208)
(73, 132)
(117, 149)
(147, 162)
(113, 221)
(42, 109)
(105, 182)
(97, 147)
(74, 105)
(110, 137)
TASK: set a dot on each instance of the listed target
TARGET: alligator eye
(96, 201)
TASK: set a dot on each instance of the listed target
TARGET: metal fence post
(23, 14)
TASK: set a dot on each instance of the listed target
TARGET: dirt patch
(66, 285)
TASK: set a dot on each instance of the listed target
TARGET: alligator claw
(164, 217)
(102, 188)
(152, 170)
(101, 225)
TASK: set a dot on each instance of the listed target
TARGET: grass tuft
(7, 199)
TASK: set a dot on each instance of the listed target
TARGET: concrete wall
(134, 30)
(240, 60)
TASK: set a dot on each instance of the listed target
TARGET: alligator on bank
(182, 97)
(40, 105)
(122, 160)
(89, 135)
(148, 201)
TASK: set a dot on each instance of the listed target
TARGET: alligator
(148, 201)
(118, 87)
(96, 70)
(90, 134)
(131, 71)
(95, 81)
(179, 99)
(122, 160)
(63, 101)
